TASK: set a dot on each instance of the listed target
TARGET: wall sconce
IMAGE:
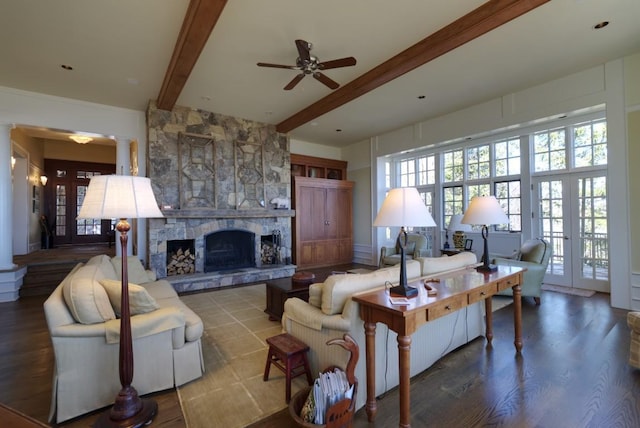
(43, 180)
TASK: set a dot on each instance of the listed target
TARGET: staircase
(47, 268)
(42, 279)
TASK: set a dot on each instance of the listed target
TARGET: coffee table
(279, 290)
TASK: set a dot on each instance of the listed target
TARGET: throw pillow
(140, 301)
(85, 298)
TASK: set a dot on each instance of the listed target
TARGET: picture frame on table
(468, 243)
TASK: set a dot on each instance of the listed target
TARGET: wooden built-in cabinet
(310, 166)
(323, 224)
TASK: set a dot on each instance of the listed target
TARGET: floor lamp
(403, 207)
(485, 211)
(123, 197)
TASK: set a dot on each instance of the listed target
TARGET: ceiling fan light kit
(308, 64)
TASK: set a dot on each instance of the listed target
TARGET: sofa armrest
(303, 313)
(148, 324)
(78, 330)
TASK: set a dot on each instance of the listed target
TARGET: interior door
(572, 216)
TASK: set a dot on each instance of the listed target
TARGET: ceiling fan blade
(303, 50)
(294, 82)
(289, 67)
(327, 81)
(336, 63)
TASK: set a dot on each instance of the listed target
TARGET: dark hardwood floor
(572, 372)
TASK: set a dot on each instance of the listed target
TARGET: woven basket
(340, 415)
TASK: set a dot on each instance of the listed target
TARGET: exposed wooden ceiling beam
(201, 17)
(485, 18)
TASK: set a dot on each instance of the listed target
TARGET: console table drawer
(482, 293)
(447, 306)
(507, 283)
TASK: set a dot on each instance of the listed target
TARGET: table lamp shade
(119, 196)
(404, 207)
(484, 210)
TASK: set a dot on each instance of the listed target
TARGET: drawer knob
(448, 308)
(482, 293)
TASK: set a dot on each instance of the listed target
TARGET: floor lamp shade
(485, 211)
(403, 207)
(119, 196)
(123, 197)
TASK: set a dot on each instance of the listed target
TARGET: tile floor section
(232, 393)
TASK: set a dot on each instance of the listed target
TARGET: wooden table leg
(370, 343)
(404, 355)
(517, 316)
(488, 320)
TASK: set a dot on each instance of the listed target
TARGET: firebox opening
(229, 249)
(181, 257)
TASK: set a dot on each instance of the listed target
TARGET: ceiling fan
(309, 64)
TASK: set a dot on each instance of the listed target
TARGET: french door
(572, 216)
(68, 182)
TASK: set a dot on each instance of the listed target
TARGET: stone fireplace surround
(210, 173)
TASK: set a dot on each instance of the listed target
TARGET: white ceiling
(120, 50)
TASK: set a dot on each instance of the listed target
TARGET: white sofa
(331, 312)
(82, 317)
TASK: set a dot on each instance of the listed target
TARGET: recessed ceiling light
(132, 81)
(66, 67)
(205, 98)
(421, 97)
(338, 130)
(314, 124)
(600, 25)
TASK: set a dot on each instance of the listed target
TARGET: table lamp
(403, 207)
(123, 197)
(485, 211)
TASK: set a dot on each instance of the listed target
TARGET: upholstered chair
(417, 246)
(534, 255)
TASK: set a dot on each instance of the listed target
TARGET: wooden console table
(454, 291)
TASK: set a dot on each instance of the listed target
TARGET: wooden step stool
(289, 355)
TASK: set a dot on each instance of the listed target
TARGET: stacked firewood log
(181, 263)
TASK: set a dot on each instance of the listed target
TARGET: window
(426, 170)
(590, 144)
(507, 157)
(549, 150)
(408, 173)
(452, 203)
(478, 162)
(453, 166)
(509, 196)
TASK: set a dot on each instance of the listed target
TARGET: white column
(123, 168)
(6, 196)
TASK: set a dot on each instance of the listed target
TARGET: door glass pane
(61, 210)
(552, 223)
(86, 226)
(594, 254)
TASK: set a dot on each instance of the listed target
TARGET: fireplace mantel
(216, 214)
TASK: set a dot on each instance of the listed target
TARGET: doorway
(64, 194)
(572, 216)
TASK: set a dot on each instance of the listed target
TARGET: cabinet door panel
(331, 214)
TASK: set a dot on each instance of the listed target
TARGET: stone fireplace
(213, 177)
